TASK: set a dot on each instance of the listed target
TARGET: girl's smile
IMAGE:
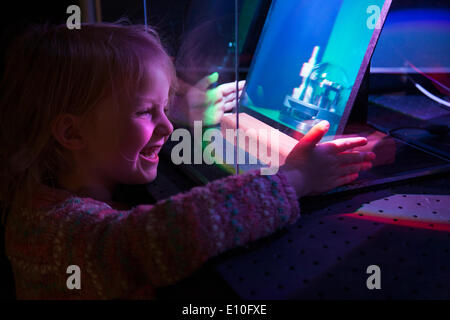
(150, 153)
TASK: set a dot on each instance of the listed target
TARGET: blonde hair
(51, 70)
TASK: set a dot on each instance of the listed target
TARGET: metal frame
(363, 68)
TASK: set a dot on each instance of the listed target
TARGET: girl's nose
(164, 126)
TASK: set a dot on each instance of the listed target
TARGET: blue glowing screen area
(414, 39)
(308, 57)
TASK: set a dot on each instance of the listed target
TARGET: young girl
(83, 111)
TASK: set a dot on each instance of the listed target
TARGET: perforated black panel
(405, 230)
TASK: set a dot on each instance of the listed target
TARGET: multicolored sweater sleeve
(126, 254)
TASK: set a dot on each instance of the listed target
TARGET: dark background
(170, 17)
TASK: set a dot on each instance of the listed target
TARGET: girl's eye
(150, 111)
(145, 112)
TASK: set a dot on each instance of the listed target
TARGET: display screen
(308, 58)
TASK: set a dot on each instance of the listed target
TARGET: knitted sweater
(126, 254)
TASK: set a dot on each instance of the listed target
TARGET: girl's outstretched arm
(122, 253)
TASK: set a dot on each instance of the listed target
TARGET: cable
(442, 103)
(432, 96)
(428, 77)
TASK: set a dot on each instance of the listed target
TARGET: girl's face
(123, 146)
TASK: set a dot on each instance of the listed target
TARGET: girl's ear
(67, 130)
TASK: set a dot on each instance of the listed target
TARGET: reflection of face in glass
(205, 50)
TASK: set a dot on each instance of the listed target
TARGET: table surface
(402, 227)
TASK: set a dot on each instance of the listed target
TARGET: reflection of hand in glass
(198, 103)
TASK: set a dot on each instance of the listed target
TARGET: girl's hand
(314, 168)
(202, 104)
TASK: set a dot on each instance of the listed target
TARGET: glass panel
(300, 60)
(200, 37)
